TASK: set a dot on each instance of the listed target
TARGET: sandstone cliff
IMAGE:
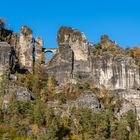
(76, 64)
(75, 61)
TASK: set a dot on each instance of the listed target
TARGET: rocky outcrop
(72, 49)
(13, 92)
(38, 44)
(115, 72)
(132, 100)
(75, 40)
(88, 100)
(26, 48)
(5, 35)
(73, 61)
(125, 107)
(4, 57)
(19, 51)
(75, 64)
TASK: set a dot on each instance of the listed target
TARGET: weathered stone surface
(26, 48)
(125, 107)
(72, 63)
(72, 51)
(13, 61)
(75, 40)
(119, 72)
(9, 61)
(88, 100)
(4, 57)
(16, 92)
(23, 93)
(132, 98)
(38, 48)
(106, 70)
(14, 42)
(63, 67)
(5, 35)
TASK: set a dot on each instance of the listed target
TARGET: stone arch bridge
(53, 50)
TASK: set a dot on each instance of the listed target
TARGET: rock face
(88, 100)
(19, 51)
(4, 57)
(16, 92)
(73, 61)
(76, 41)
(16, 55)
(26, 48)
(74, 64)
(5, 35)
(72, 50)
(125, 107)
(9, 51)
(133, 100)
(119, 72)
(38, 48)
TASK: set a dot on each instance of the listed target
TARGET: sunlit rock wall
(75, 64)
(119, 72)
(75, 40)
(26, 47)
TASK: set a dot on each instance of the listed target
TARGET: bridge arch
(53, 50)
(49, 53)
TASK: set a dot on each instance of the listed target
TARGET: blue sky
(120, 19)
